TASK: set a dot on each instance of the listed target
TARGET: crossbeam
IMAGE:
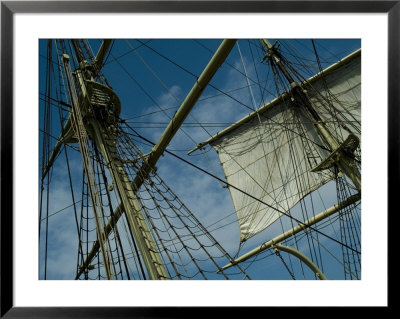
(317, 218)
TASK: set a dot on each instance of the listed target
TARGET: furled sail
(271, 152)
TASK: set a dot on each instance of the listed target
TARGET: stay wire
(217, 89)
(251, 196)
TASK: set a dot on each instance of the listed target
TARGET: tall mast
(341, 154)
(104, 139)
(94, 99)
(83, 139)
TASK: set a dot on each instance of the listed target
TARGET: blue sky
(142, 106)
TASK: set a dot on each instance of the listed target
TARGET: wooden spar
(174, 125)
(276, 101)
(98, 60)
(326, 213)
(187, 105)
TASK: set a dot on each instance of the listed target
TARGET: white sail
(270, 154)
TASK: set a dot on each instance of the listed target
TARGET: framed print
(161, 156)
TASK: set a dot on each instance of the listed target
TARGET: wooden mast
(174, 125)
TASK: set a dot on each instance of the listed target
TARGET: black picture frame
(9, 8)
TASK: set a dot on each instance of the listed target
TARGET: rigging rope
(148, 210)
(180, 223)
(257, 199)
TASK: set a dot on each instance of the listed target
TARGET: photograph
(193, 159)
